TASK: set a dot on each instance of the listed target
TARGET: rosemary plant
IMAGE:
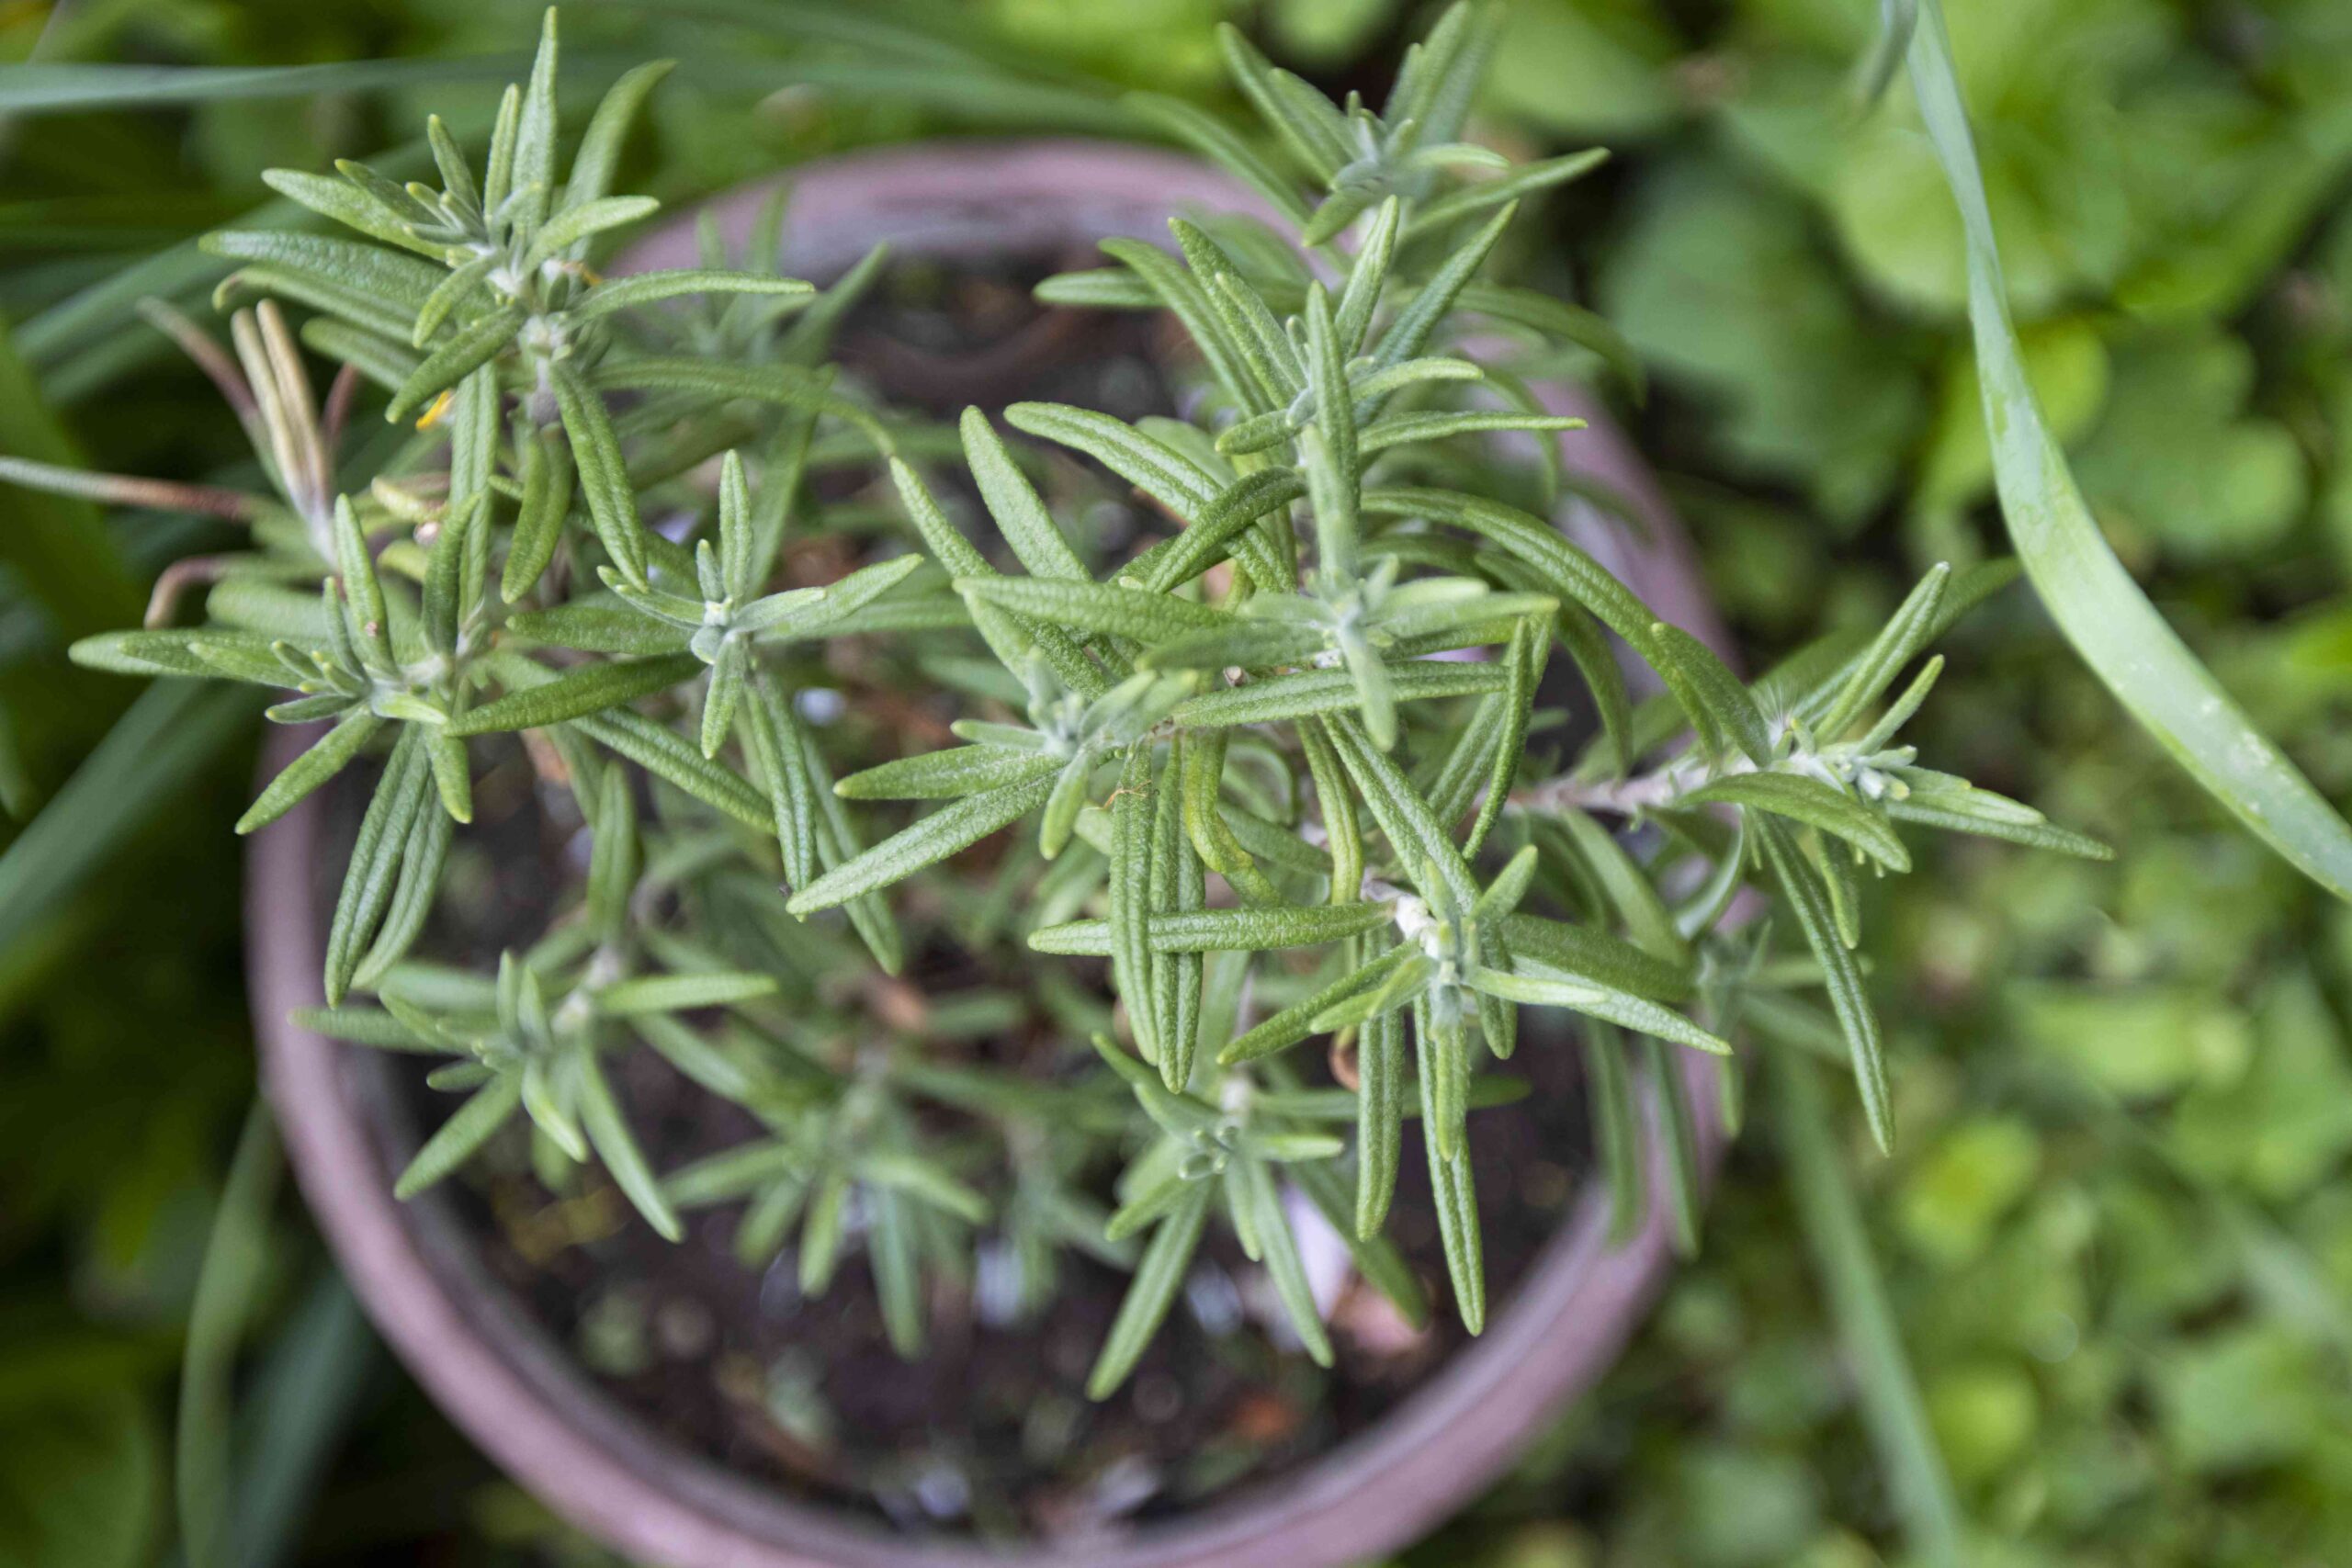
(1283, 777)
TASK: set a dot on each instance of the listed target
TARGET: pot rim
(506, 1382)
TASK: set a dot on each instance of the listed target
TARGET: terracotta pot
(510, 1386)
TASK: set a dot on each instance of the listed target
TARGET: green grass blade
(227, 1290)
(1616, 1128)
(2089, 594)
(80, 89)
(145, 761)
(1893, 1411)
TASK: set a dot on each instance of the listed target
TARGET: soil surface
(990, 1433)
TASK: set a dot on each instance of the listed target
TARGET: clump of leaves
(1291, 749)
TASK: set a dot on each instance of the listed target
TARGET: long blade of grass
(145, 760)
(1892, 1409)
(80, 89)
(2092, 599)
(227, 1286)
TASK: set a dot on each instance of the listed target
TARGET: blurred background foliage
(2116, 1237)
